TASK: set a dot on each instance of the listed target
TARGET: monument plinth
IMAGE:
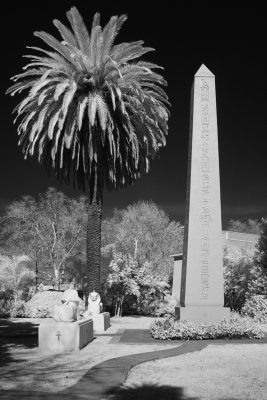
(202, 294)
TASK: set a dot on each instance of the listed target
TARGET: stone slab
(60, 337)
(101, 321)
(202, 314)
(176, 283)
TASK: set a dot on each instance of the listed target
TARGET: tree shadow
(147, 392)
(22, 334)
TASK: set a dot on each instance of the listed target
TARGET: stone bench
(60, 337)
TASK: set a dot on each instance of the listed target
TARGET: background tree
(249, 226)
(92, 113)
(144, 231)
(15, 274)
(129, 277)
(51, 231)
(259, 285)
(239, 272)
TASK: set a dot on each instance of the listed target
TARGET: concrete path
(95, 372)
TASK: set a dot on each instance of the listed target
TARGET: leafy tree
(244, 277)
(249, 226)
(128, 277)
(146, 232)
(13, 271)
(92, 112)
(238, 273)
(50, 231)
(122, 280)
(259, 285)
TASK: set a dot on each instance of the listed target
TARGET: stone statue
(94, 303)
(69, 310)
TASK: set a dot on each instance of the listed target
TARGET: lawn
(218, 372)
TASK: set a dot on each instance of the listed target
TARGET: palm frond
(66, 33)
(79, 29)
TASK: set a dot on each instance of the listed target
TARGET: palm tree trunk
(93, 245)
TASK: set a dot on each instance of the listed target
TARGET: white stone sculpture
(69, 310)
(94, 303)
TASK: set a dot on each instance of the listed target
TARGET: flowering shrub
(236, 328)
(18, 309)
(256, 308)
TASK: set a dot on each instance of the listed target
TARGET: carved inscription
(205, 216)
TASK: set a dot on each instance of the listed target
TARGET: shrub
(42, 304)
(256, 308)
(164, 310)
(5, 306)
(236, 328)
(18, 309)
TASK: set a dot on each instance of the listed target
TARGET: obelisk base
(202, 314)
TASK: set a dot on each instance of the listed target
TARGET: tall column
(202, 294)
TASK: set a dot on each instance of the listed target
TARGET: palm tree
(93, 113)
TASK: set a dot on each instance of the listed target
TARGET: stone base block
(60, 337)
(101, 321)
(202, 314)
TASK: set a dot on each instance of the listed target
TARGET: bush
(5, 302)
(5, 306)
(236, 328)
(164, 310)
(18, 309)
(42, 304)
(256, 308)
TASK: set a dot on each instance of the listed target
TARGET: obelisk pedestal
(202, 294)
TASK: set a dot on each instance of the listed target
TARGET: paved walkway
(95, 372)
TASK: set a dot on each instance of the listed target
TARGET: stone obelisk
(202, 294)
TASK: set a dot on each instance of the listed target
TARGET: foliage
(164, 310)
(249, 226)
(15, 274)
(239, 272)
(237, 327)
(42, 304)
(89, 100)
(50, 231)
(260, 284)
(18, 309)
(144, 231)
(256, 308)
(128, 277)
(5, 303)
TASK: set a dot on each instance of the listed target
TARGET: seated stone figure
(69, 310)
(94, 304)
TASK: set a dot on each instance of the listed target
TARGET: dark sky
(232, 44)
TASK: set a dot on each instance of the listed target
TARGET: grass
(218, 372)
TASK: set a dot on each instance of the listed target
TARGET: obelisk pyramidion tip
(204, 71)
